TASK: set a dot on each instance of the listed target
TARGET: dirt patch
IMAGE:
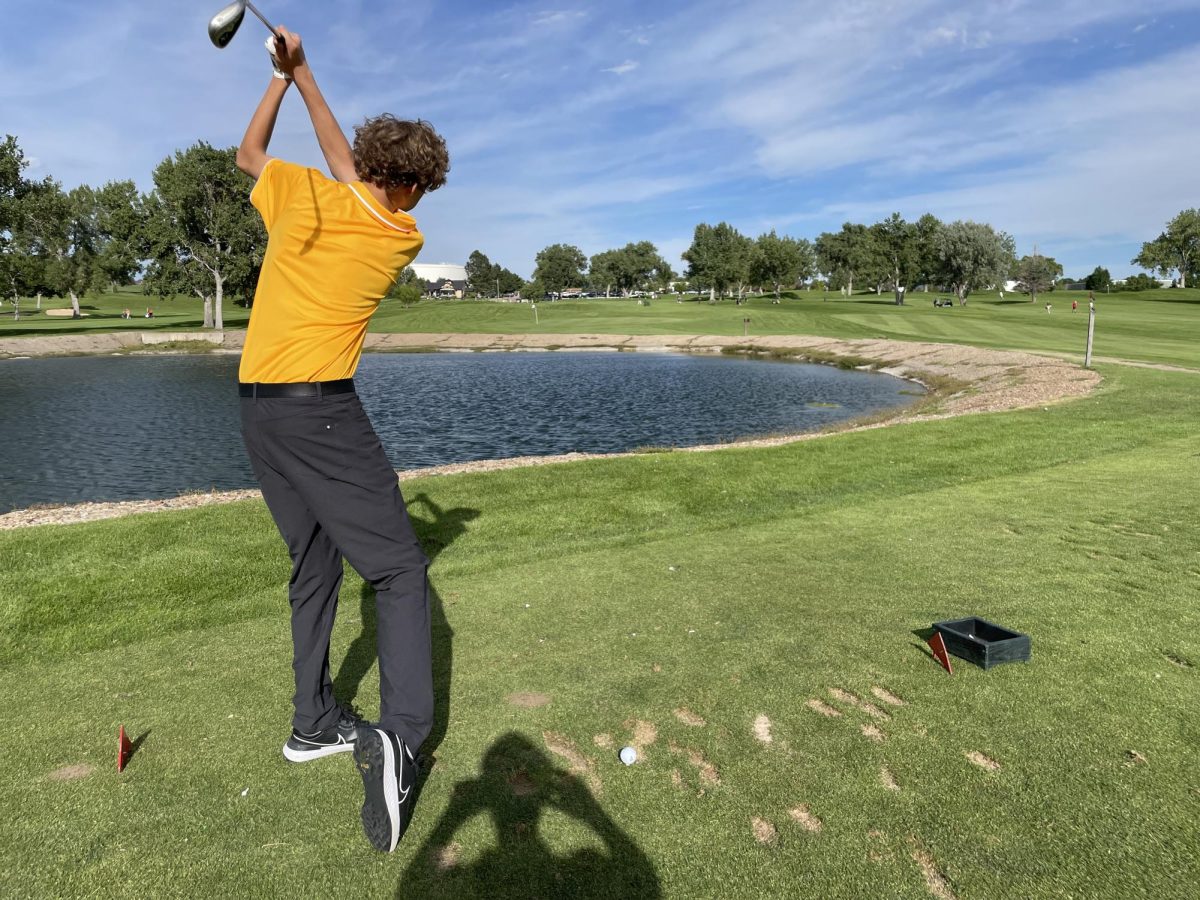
(852, 699)
(446, 858)
(824, 709)
(644, 734)
(803, 816)
(707, 771)
(935, 879)
(984, 762)
(676, 779)
(998, 380)
(762, 728)
(577, 763)
(888, 780)
(528, 699)
(871, 733)
(1133, 758)
(687, 717)
(764, 831)
(521, 784)
(72, 773)
(603, 741)
(877, 850)
(883, 694)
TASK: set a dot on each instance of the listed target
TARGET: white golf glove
(271, 47)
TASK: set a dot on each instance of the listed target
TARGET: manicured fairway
(696, 604)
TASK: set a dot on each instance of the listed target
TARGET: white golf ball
(628, 756)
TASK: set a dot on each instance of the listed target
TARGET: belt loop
(320, 390)
(255, 393)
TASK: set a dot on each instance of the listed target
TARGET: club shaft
(261, 17)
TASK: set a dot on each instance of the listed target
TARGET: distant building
(441, 279)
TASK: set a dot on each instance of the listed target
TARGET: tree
(1139, 282)
(1175, 250)
(926, 268)
(973, 255)
(1036, 274)
(898, 246)
(120, 223)
(480, 271)
(560, 266)
(849, 254)
(718, 257)
(202, 234)
(1099, 280)
(604, 271)
(510, 282)
(780, 261)
(635, 266)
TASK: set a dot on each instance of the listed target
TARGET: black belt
(295, 389)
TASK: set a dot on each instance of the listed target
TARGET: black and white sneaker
(389, 773)
(301, 747)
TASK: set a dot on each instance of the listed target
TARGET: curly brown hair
(390, 152)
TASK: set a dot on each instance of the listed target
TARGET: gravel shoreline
(984, 381)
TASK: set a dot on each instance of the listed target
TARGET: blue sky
(1071, 124)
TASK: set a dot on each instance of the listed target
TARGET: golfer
(334, 249)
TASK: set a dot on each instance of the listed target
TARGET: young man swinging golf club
(334, 249)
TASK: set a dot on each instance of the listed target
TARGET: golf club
(224, 25)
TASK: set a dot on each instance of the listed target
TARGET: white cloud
(624, 68)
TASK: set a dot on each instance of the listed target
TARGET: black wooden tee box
(982, 642)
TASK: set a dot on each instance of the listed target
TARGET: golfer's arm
(252, 154)
(333, 142)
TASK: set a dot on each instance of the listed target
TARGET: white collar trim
(371, 209)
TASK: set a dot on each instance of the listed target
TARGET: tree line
(196, 233)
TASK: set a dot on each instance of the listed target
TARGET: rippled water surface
(120, 428)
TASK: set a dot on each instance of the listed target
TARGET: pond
(136, 427)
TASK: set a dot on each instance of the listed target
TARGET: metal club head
(224, 25)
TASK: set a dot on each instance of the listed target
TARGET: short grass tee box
(982, 642)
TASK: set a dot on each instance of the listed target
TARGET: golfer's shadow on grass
(517, 785)
(435, 534)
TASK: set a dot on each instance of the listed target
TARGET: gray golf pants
(333, 494)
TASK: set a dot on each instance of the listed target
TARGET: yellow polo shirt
(333, 251)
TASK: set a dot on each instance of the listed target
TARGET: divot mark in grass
(72, 773)
(707, 771)
(935, 879)
(577, 763)
(603, 741)
(984, 762)
(1133, 758)
(888, 780)
(528, 699)
(882, 693)
(644, 734)
(676, 778)
(764, 831)
(1182, 661)
(762, 728)
(805, 818)
(521, 784)
(687, 717)
(824, 709)
(871, 733)
(878, 851)
(852, 699)
(446, 858)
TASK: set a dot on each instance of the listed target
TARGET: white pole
(1087, 360)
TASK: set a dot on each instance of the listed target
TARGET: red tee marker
(939, 651)
(124, 749)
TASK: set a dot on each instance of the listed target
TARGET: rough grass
(739, 584)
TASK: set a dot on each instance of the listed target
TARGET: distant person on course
(334, 249)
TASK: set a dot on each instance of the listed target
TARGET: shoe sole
(305, 755)
(376, 761)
